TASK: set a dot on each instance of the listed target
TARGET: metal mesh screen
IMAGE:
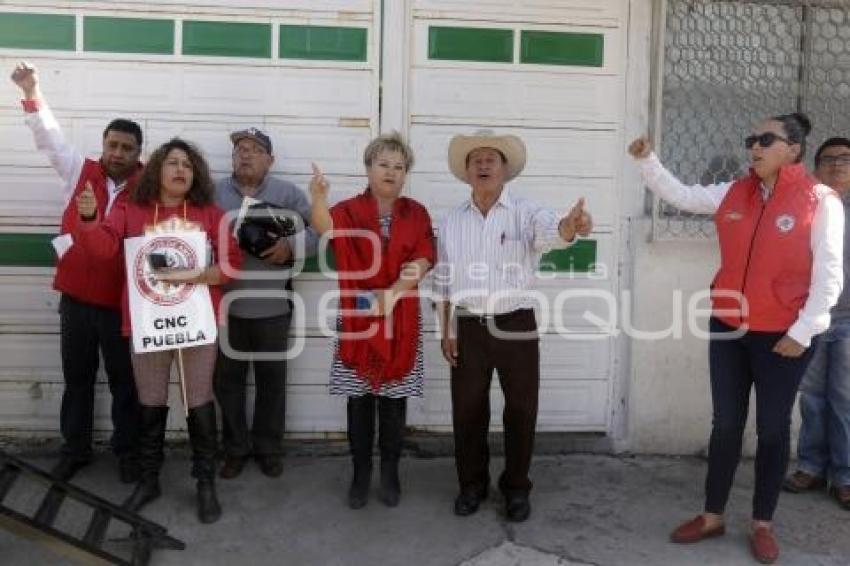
(729, 64)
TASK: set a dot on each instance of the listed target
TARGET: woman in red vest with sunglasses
(781, 242)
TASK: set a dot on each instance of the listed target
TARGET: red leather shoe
(695, 531)
(764, 546)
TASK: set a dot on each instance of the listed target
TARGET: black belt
(462, 313)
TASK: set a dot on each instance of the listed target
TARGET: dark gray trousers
(266, 434)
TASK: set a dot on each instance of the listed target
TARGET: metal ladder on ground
(144, 535)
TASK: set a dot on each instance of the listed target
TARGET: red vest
(89, 280)
(765, 251)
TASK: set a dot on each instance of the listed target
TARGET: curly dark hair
(202, 190)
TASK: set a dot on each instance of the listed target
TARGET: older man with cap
(258, 324)
(489, 248)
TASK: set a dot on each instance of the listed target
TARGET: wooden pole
(181, 372)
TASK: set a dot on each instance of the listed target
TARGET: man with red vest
(89, 308)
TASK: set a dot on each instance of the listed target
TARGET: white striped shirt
(486, 264)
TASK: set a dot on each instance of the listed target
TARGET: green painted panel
(35, 250)
(562, 48)
(471, 44)
(322, 43)
(128, 35)
(311, 264)
(37, 31)
(578, 258)
(27, 250)
(227, 39)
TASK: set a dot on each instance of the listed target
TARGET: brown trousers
(153, 369)
(517, 360)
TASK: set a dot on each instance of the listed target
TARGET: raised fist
(640, 148)
(26, 77)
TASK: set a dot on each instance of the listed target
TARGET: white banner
(167, 316)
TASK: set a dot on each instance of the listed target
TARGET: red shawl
(388, 355)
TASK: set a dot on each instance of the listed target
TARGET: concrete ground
(587, 509)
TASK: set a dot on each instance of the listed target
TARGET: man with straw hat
(489, 249)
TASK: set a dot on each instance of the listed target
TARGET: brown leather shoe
(763, 545)
(695, 531)
(800, 481)
(232, 467)
(842, 495)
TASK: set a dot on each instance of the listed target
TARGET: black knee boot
(391, 420)
(202, 434)
(150, 451)
(361, 433)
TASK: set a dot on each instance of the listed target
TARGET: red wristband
(31, 105)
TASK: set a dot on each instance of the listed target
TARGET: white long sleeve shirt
(63, 157)
(487, 264)
(827, 239)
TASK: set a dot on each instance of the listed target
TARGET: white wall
(670, 395)
(669, 390)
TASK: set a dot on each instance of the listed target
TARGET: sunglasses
(765, 140)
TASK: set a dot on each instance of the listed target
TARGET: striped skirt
(346, 381)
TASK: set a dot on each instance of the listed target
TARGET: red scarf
(389, 354)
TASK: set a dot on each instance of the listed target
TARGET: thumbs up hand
(87, 204)
(583, 221)
(577, 222)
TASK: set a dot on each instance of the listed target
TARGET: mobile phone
(364, 301)
(157, 260)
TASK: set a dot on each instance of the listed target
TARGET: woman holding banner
(174, 196)
(383, 245)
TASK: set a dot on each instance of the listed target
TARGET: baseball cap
(255, 134)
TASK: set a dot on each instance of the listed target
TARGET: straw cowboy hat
(510, 146)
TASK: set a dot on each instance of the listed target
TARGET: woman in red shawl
(383, 246)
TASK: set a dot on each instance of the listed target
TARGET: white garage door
(552, 73)
(306, 74)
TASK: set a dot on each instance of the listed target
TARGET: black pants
(85, 329)
(517, 361)
(266, 436)
(736, 366)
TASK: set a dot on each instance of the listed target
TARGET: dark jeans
(85, 329)
(517, 361)
(736, 366)
(266, 436)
